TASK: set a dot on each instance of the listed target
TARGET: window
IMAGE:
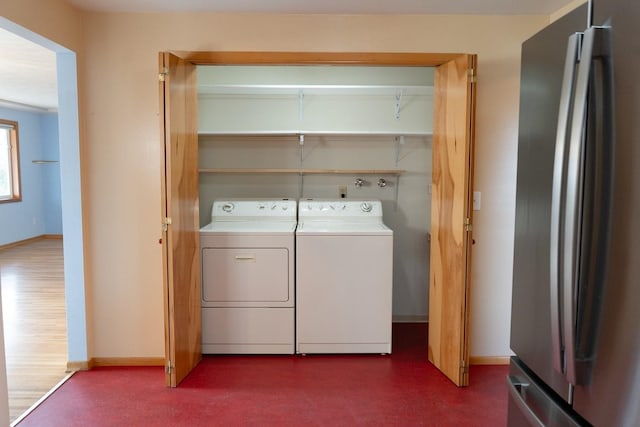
(9, 162)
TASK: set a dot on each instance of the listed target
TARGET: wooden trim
(83, 365)
(20, 242)
(126, 361)
(30, 240)
(114, 361)
(52, 236)
(471, 111)
(489, 360)
(163, 71)
(317, 58)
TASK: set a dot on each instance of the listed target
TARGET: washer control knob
(366, 207)
(228, 207)
(285, 207)
(262, 206)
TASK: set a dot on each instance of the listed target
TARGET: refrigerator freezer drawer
(531, 404)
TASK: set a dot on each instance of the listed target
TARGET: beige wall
(568, 8)
(122, 148)
(53, 19)
(117, 56)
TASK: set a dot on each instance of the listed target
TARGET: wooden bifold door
(180, 217)
(451, 218)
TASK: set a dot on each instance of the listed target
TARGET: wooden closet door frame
(363, 59)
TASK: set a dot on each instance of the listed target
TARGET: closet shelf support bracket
(399, 96)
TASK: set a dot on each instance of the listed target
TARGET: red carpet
(371, 390)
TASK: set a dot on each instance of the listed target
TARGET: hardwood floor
(35, 331)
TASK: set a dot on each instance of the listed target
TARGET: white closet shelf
(304, 171)
(313, 133)
(319, 89)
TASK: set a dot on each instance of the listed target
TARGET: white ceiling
(27, 74)
(28, 71)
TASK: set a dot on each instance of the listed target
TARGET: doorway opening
(70, 201)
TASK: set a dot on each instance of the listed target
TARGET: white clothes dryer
(344, 275)
(248, 280)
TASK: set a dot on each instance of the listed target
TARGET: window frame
(14, 161)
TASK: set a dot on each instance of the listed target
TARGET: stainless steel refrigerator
(575, 325)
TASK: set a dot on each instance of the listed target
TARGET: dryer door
(245, 277)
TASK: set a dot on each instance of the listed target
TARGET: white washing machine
(248, 280)
(344, 275)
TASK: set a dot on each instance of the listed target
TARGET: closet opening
(316, 138)
(328, 132)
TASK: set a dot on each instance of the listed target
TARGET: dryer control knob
(366, 207)
(227, 207)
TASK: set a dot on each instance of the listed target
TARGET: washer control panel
(340, 208)
(253, 208)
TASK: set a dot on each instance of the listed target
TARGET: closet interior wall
(243, 133)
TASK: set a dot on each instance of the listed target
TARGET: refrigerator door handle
(579, 290)
(557, 195)
(518, 392)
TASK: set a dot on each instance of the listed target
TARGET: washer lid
(343, 228)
